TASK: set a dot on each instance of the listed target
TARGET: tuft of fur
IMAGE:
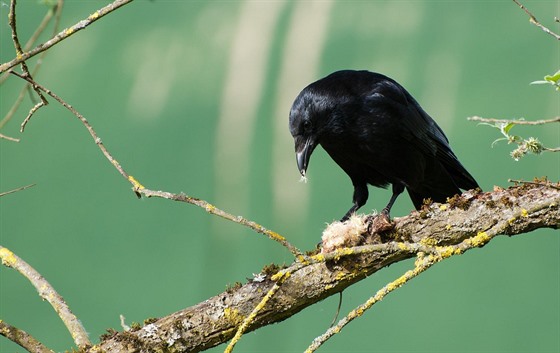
(343, 235)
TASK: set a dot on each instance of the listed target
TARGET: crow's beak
(304, 148)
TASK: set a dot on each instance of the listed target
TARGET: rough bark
(517, 210)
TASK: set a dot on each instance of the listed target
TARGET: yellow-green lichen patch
(403, 246)
(276, 236)
(480, 239)
(398, 282)
(338, 253)
(233, 316)
(318, 257)
(8, 257)
(445, 251)
(281, 276)
(94, 16)
(342, 276)
(135, 183)
(428, 241)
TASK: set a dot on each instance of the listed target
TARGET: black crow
(379, 135)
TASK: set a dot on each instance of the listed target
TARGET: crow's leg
(398, 188)
(359, 199)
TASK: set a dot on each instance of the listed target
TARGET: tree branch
(64, 34)
(53, 12)
(48, 293)
(16, 190)
(524, 145)
(466, 222)
(139, 189)
(22, 338)
(534, 20)
(514, 121)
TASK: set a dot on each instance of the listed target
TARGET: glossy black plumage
(379, 135)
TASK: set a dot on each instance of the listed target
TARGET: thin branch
(22, 338)
(514, 121)
(545, 182)
(139, 189)
(19, 52)
(53, 12)
(43, 102)
(223, 214)
(421, 264)
(64, 34)
(12, 24)
(2, 136)
(524, 146)
(16, 190)
(534, 21)
(48, 293)
(280, 277)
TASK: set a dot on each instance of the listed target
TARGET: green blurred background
(193, 96)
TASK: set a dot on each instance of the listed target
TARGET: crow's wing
(418, 128)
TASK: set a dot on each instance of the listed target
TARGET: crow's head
(310, 118)
(303, 127)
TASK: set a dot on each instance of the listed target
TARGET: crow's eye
(306, 126)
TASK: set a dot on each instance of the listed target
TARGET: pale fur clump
(343, 235)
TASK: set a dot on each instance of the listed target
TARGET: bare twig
(12, 24)
(19, 52)
(536, 182)
(139, 189)
(534, 21)
(43, 102)
(64, 34)
(48, 293)
(218, 212)
(16, 190)
(514, 121)
(22, 338)
(40, 29)
(55, 12)
(2, 136)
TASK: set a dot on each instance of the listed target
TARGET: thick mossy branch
(517, 210)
